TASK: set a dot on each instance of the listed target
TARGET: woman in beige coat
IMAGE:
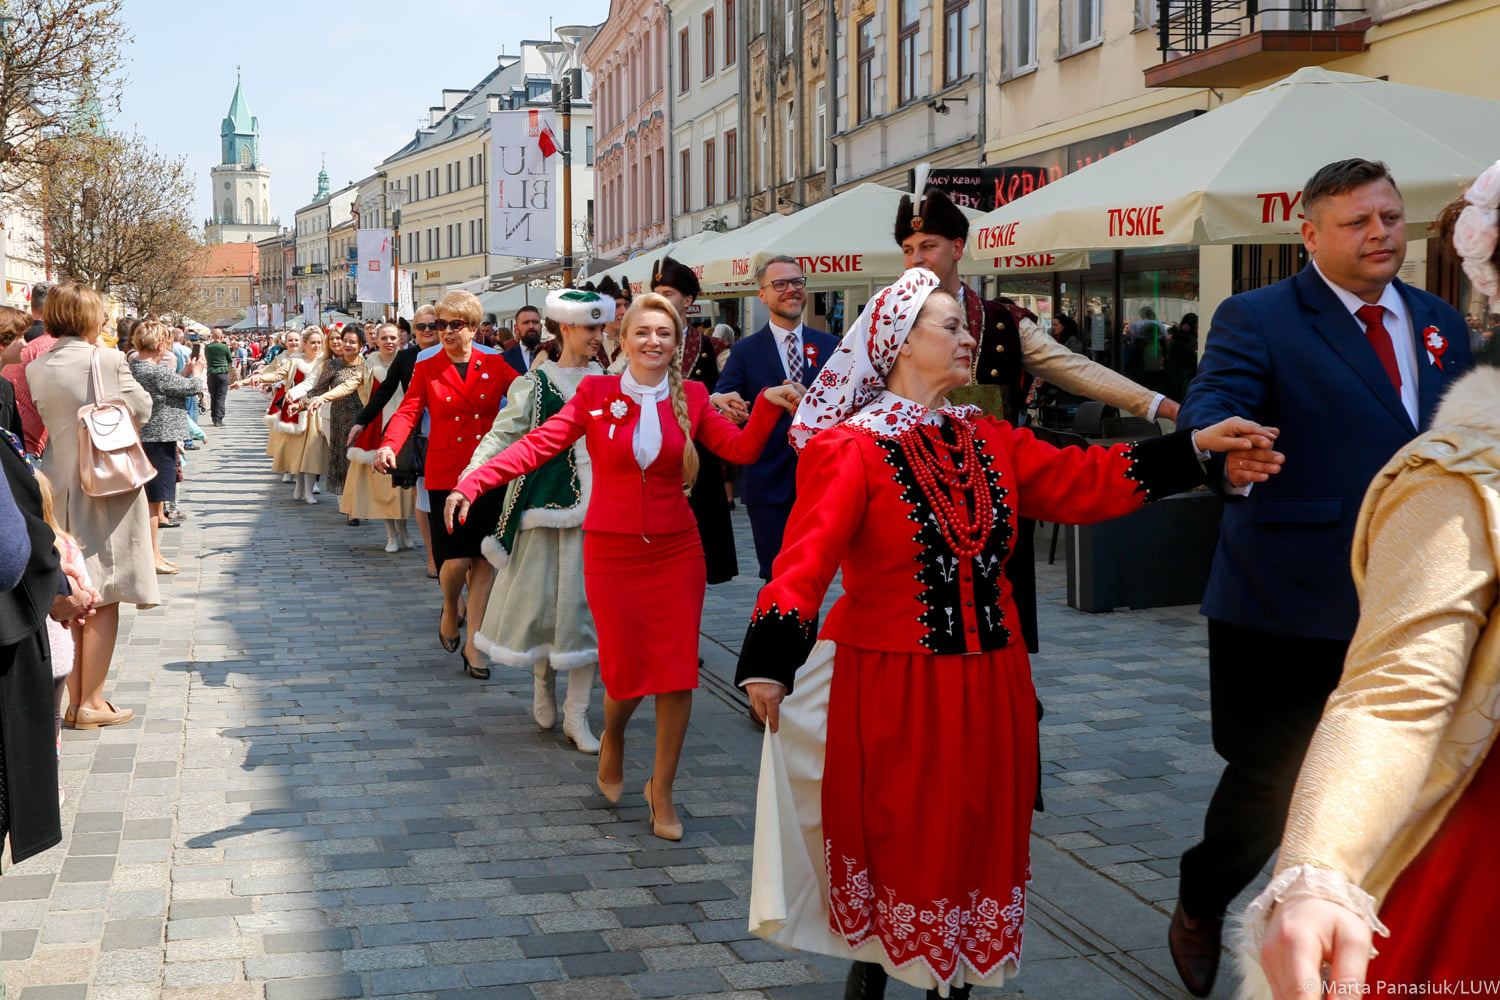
(114, 532)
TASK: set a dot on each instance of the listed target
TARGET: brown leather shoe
(1196, 946)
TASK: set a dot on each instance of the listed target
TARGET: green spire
(88, 113)
(239, 120)
(322, 182)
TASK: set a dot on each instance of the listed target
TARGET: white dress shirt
(1398, 325)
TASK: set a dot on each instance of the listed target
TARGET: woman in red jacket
(639, 530)
(461, 385)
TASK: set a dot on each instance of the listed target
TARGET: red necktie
(1380, 338)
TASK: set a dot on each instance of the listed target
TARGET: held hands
(732, 405)
(456, 508)
(1251, 458)
(353, 433)
(787, 395)
(765, 699)
(69, 609)
(1303, 935)
(385, 460)
(314, 403)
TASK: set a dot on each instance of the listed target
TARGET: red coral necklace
(943, 470)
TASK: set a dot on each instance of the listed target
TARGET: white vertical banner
(523, 197)
(310, 310)
(262, 315)
(405, 308)
(278, 314)
(374, 282)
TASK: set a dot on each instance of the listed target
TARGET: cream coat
(114, 532)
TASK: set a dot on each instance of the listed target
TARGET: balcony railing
(1235, 42)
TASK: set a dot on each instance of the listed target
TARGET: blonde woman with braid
(639, 533)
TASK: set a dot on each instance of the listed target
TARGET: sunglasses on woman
(452, 324)
(426, 326)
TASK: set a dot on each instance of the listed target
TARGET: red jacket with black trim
(860, 507)
(625, 498)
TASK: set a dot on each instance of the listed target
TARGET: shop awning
(637, 270)
(844, 241)
(1235, 175)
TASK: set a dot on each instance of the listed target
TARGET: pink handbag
(111, 460)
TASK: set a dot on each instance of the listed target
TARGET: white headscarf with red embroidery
(851, 387)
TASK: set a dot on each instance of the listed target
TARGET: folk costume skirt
(894, 811)
(368, 493)
(1442, 909)
(537, 609)
(647, 602)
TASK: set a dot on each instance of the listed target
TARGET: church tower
(241, 183)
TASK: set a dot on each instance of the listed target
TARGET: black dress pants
(218, 389)
(1266, 693)
(768, 528)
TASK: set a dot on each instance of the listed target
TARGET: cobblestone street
(314, 803)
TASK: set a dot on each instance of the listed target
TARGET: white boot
(406, 542)
(309, 487)
(296, 489)
(544, 700)
(317, 485)
(392, 544)
(576, 709)
(286, 477)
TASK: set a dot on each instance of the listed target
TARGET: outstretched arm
(1051, 362)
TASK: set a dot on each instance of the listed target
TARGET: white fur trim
(508, 657)
(545, 517)
(283, 427)
(271, 419)
(493, 551)
(1248, 933)
(577, 313)
(361, 455)
(1473, 402)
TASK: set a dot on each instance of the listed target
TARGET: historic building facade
(704, 76)
(786, 106)
(241, 183)
(628, 60)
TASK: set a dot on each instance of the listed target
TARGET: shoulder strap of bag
(97, 376)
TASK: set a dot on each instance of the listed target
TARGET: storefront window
(1160, 331)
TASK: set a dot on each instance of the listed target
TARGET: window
(1080, 25)
(588, 145)
(686, 168)
(234, 294)
(684, 56)
(729, 33)
(471, 171)
(219, 294)
(708, 173)
(1018, 37)
(791, 141)
(958, 55)
(866, 72)
(429, 244)
(731, 163)
(820, 128)
(708, 43)
(789, 39)
(906, 49)
(760, 11)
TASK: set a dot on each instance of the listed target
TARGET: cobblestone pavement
(313, 802)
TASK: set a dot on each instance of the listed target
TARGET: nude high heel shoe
(666, 831)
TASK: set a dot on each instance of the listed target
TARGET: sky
(349, 81)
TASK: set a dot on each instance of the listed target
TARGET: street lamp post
(564, 60)
(396, 197)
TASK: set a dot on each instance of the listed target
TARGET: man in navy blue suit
(782, 351)
(1348, 363)
(528, 331)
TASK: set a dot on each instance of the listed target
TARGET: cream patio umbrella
(637, 270)
(1235, 174)
(842, 242)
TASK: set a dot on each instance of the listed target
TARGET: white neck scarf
(646, 441)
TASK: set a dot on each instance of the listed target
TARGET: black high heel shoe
(866, 981)
(451, 645)
(478, 673)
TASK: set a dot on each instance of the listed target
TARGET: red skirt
(647, 603)
(927, 791)
(1443, 908)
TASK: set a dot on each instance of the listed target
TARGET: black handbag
(410, 462)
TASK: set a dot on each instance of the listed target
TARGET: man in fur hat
(609, 350)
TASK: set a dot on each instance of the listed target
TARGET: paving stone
(338, 987)
(320, 940)
(142, 932)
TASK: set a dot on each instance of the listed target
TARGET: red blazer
(624, 498)
(462, 410)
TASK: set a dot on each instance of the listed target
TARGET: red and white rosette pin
(810, 352)
(1436, 345)
(617, 410)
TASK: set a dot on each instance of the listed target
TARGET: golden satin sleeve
(1051, 362)
(1387, 746)
(276, 371)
